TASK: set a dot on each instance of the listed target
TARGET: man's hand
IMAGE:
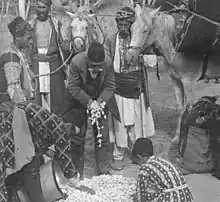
(141, 60)
(74, 181)
(93, 104)
(77, 129)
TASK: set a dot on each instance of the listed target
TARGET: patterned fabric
(160, 181)
(46, 128)
(17, 74)
(125, 14)
(123, 48)
(12, 73)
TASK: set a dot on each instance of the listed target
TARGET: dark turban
(125, 14)
(46, 2)
(19, 27)
(96, 53)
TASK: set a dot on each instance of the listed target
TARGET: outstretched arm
(109, 84)
(63, 152)
(74, 86)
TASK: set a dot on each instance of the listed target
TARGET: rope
(56, 70)
(195, 14)
(40, 75)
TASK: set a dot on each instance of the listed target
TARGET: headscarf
(125, 14)
(19, 27)
(46, 2)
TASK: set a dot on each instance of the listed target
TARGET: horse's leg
(167, 51)
(180, 101)
(190, 93)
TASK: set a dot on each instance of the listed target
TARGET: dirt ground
(204, 187)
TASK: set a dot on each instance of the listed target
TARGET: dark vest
(92, 86)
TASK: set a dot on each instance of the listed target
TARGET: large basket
(50, 173)
(51, 176)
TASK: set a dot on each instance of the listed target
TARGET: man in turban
(91, 85)
(131, 92)
(49, 51)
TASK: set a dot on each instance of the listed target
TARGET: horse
(158, 29)
(84, 30)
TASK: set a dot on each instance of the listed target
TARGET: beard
(42, 16)
(27, 50)
(124, 34)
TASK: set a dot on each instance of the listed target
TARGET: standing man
(15, 74)
(131, 92)
(23, 138)
(91, 82)
(48, 56)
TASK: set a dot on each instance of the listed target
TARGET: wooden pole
(22, 9)
(86, 2)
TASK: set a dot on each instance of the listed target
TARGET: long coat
(78, 98)
(56, 50)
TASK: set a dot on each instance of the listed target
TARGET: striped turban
(46, 2)
(125, 14)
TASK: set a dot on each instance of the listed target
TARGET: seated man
(158, 179)
(190, 156)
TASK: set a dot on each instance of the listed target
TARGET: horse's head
(152, 27)
(85, 30)
(141, 32)
(82, 27)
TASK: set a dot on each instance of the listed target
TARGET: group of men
(99, 75)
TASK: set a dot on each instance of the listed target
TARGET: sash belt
(129, 85)
(181, 187)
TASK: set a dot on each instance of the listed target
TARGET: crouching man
(20, 153)
(91, 84)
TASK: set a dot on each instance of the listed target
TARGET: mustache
(39, 13)
(124, 33)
